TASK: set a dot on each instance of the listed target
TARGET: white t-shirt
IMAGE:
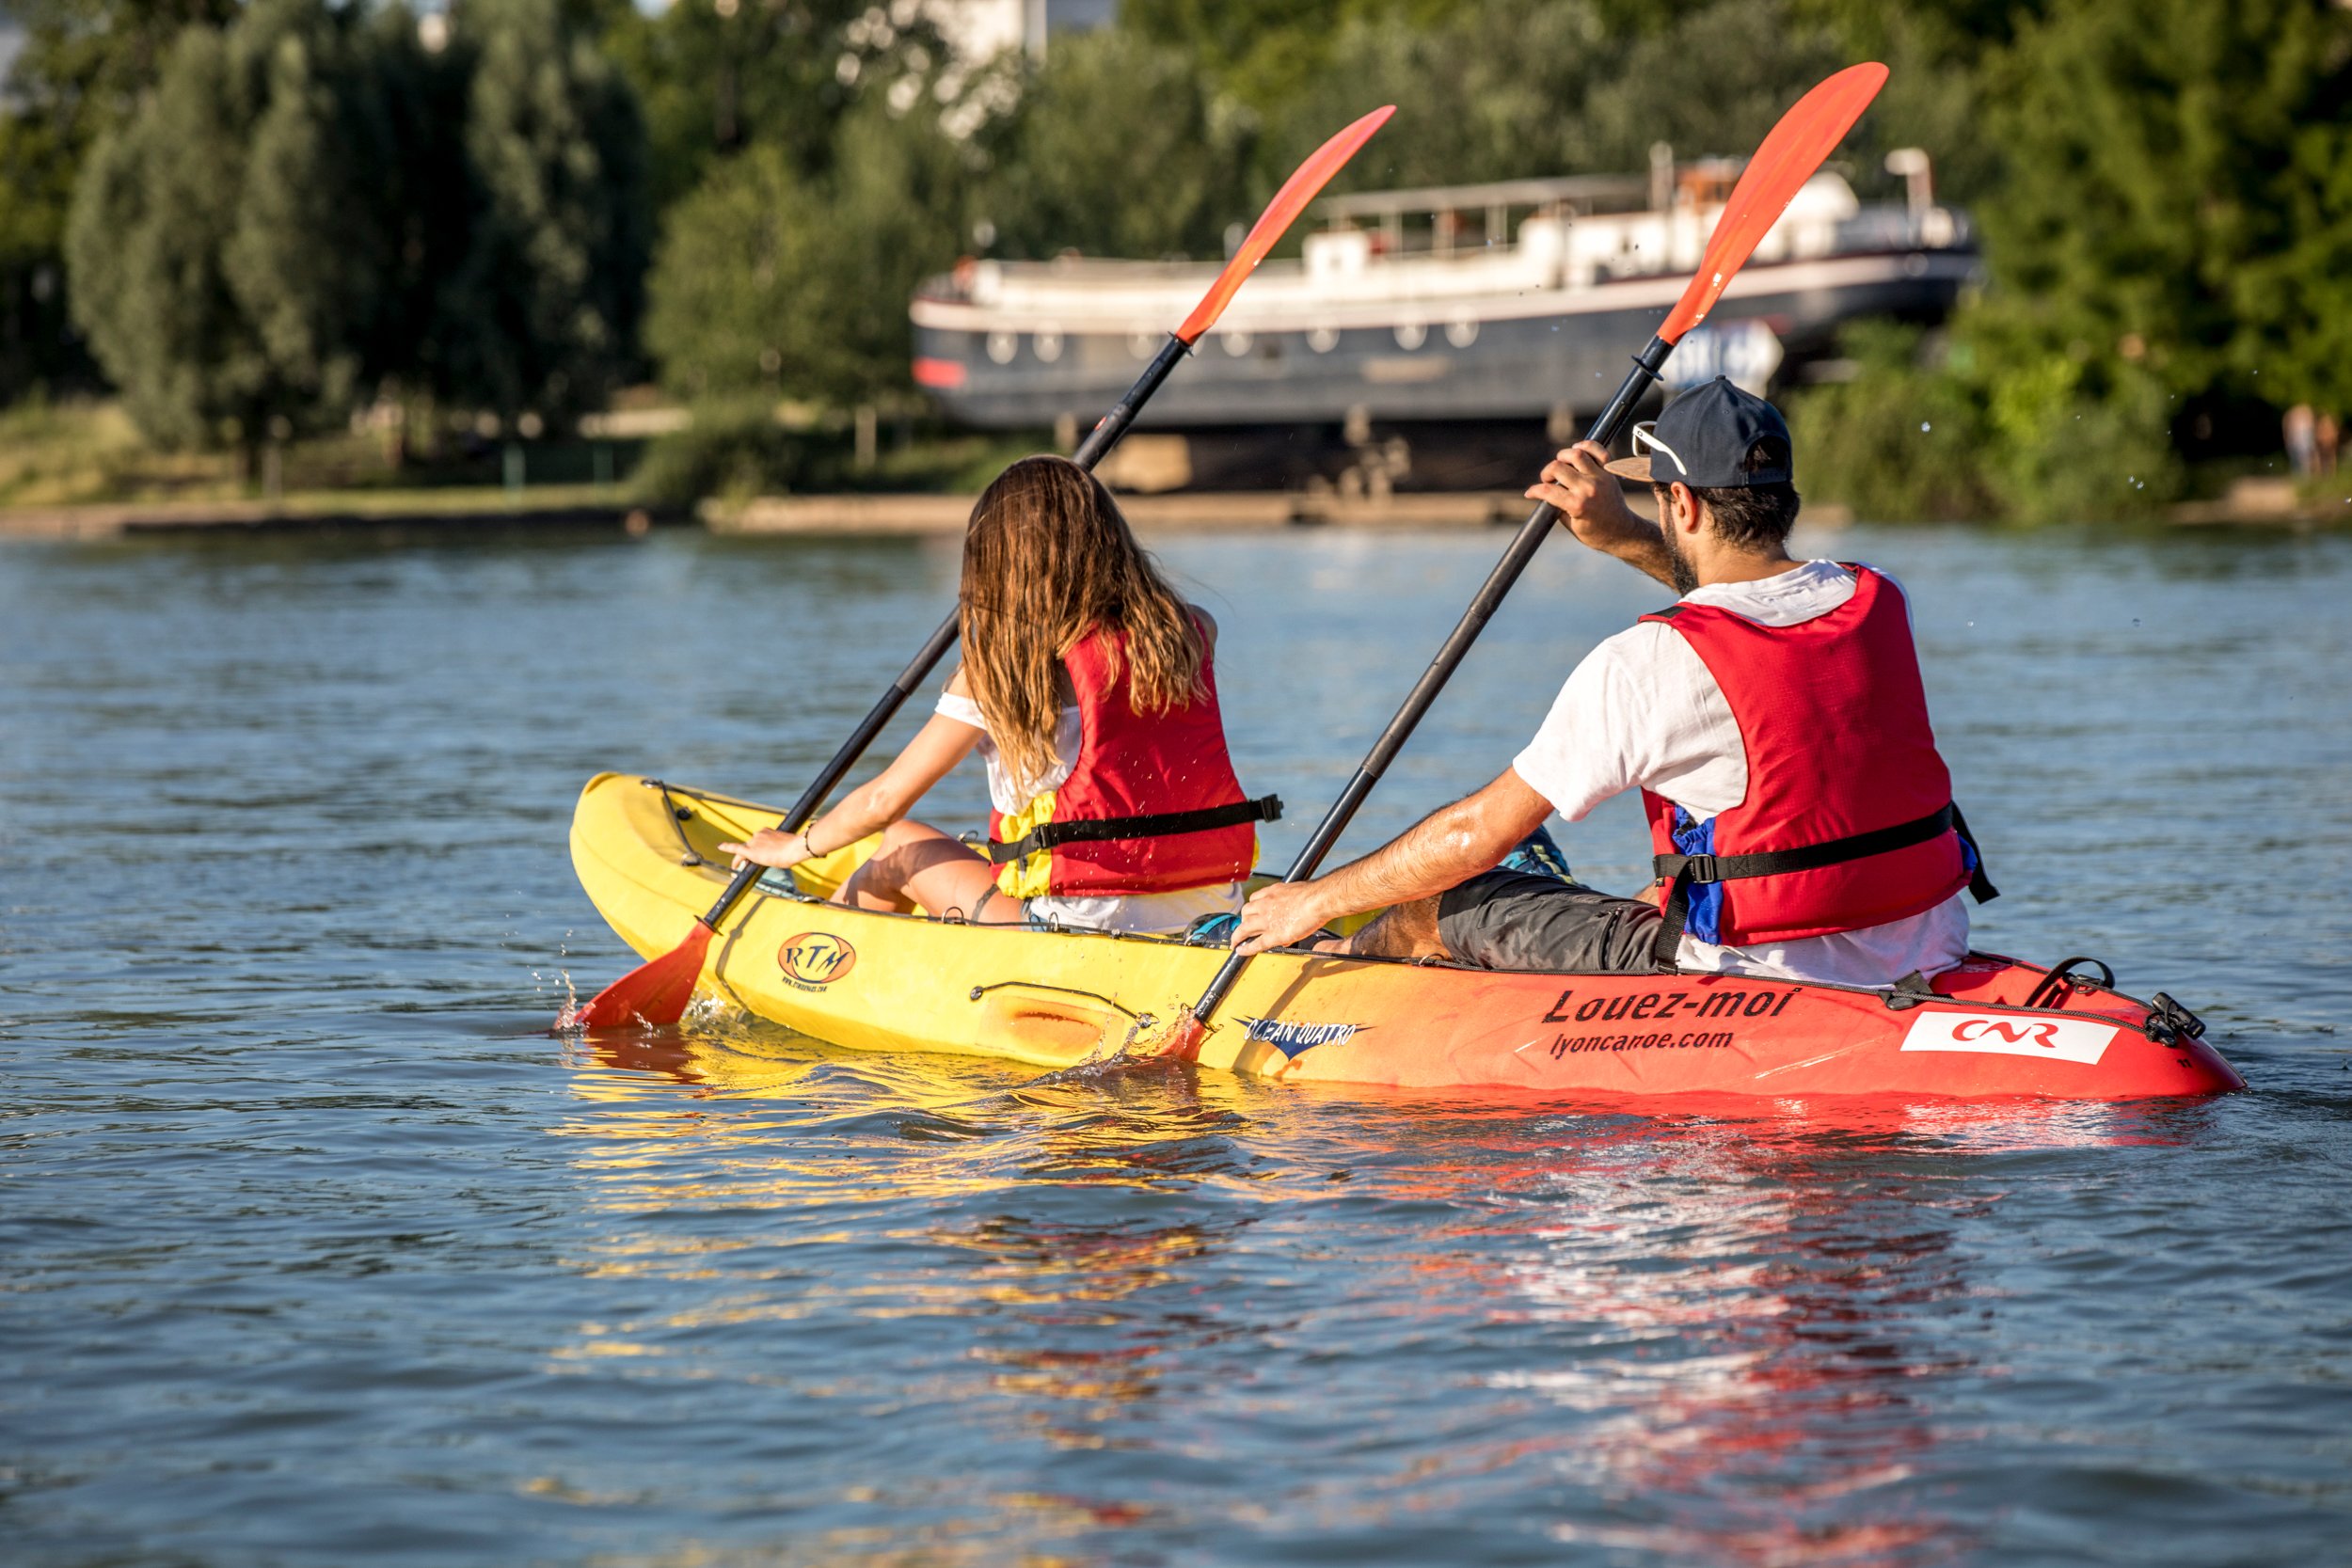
(1641, 712)
(1158, 913)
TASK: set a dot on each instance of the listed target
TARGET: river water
(315, 1248)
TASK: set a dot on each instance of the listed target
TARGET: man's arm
(1450, 845)
(1592, 504)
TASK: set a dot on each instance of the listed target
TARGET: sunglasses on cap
(1645, 441)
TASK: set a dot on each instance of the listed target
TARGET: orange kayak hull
(647, 853)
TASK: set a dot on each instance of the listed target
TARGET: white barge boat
(1429, 305)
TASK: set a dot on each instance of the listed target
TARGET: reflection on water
(1720, 1334)
(1770, 1368)
(315, 1251)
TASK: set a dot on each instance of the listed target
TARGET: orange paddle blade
(655, 993)
(1300, 188)
(1177, 1041)
(1787, 160)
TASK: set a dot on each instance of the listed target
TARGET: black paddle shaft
(1099, 440)
(1425, 693)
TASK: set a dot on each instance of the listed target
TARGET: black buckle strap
(1686, 871)
(1981, 886)
(1810, 857)
(1167, 824)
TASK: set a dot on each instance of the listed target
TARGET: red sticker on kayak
(815, 959)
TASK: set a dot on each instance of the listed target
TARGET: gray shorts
(1513, 920)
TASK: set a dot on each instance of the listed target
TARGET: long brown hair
(1048, 560)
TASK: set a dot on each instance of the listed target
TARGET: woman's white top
(1153, 913)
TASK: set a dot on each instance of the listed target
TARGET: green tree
(902, 203)
(1712, 80)
(312, 207)
(197, 242)
(1937, 97)
(541, 315)
(771, 284)
(1118, 147)
(738, 296)
(1500, 90)
(79, 73)
(2178, 198)
(312, 162)
(1263, 56)
(417, 104)
(2171, 228)
(1489, 92)
(718, 76)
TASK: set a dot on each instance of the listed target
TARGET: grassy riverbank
(80, 470)
(87, 454)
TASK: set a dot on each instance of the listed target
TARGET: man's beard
(1685, 577)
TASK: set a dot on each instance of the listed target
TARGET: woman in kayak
(1088, 690)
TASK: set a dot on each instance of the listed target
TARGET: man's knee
(1404, 931)
(1509, 920)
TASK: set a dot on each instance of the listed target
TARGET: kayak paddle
(1787, 160)
(656, 992)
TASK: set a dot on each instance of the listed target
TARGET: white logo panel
(1746, 351)
(2065, 1040)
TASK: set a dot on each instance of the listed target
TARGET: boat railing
(1894, 227)
(1550, 250)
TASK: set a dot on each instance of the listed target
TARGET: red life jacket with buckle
(1848, 821)
(1150, 805)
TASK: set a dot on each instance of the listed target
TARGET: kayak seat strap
(1167, 824)
(1686, 871)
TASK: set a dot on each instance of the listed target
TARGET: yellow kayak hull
(648, 855)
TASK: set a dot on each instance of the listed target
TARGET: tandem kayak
(646, 852)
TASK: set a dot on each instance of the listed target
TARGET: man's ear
(1681, 503)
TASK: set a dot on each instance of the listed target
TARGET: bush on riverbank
(2168, 245)
(1963, 425)
(735, 449)
(88, 452)
(66, 453)
(732, 449)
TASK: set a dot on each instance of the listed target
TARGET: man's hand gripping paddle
(656, 992)
(1787, 160)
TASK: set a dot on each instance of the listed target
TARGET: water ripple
(318, 1251)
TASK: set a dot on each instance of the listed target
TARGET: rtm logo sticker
(815, 959)
(2065, 1040)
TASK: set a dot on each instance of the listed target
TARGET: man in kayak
(1772, 718)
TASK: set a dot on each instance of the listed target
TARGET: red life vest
(1150, 805)
(1848, 821)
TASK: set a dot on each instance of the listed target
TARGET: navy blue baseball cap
(1702, 440)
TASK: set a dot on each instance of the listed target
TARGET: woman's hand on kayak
(770, 847)
(1278, 915)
